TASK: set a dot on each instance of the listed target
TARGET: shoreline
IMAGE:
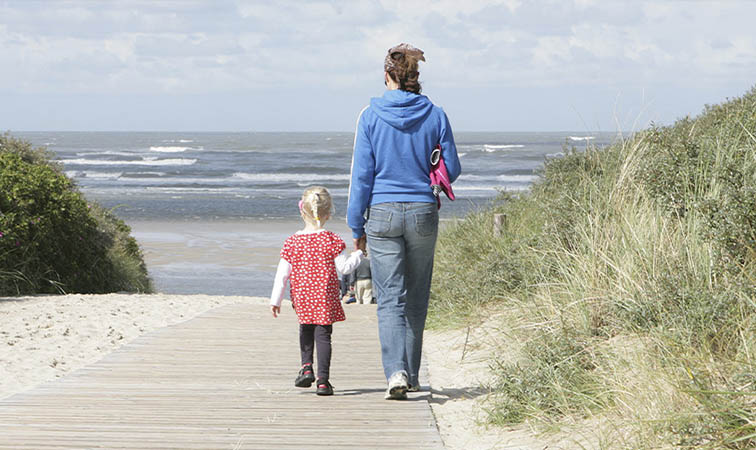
(216, 258)
(223, 257)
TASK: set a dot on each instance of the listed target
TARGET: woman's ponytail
(401, 64)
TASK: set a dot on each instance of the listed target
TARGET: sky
(169, 65)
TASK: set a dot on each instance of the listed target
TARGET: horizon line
(295, 131)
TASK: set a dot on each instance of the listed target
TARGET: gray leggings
(311, 335)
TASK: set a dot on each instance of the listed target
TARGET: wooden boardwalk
(223, 380)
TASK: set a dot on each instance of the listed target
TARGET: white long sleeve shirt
(345, 264)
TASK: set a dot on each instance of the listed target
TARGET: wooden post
(499, 220)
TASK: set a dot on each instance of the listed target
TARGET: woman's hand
(276, 310)
(360, 243)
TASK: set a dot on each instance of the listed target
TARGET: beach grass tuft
(630, 275)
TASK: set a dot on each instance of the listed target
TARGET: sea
(204, 181)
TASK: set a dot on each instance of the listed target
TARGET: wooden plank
(223, 380)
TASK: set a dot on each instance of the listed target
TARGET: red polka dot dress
(314, 281)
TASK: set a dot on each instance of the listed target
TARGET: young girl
(311, 261)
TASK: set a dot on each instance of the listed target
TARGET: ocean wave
(493, 148)
(581, 138)
(90, 174)
(106, 153)
(143, 162)
(462, 154)
(148, 180)
(287, 177)
(555, 155)
(169, 149)
(503, 178)
(179, 190)
(153, 179)
(138, 174)
(492, 187)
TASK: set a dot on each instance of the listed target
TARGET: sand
(217, 257)
(460, 376)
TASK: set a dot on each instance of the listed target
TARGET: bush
(51, 239)
(628, 277)
(707, 165)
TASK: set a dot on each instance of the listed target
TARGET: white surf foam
(491, 187)
(287, 177)
(503, 145)
(492, 148)
(169, 149)
(581, 138)
(181, 190)
(144, 162)
(501, 178)
(102, 175)
(108, 153)
(157, 174)
(91, 174)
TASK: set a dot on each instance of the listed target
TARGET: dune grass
(629, 276)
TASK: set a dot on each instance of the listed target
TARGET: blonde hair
(317, 205)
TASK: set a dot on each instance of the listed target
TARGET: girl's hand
(361, 243)
(276, 310)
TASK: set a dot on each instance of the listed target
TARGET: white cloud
(338, 43)
(207, 47)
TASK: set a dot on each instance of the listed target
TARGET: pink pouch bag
(439, 177)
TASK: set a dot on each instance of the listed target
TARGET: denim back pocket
(426, 222)
(379, 222)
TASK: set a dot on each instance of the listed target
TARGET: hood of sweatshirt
(401, 109)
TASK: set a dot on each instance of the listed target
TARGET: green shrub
(631, 265)
(51, 239)
(707, 164)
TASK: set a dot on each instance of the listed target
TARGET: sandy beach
(218, 257)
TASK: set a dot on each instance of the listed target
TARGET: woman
(390, 185)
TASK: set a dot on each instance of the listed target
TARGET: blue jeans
(402, 239)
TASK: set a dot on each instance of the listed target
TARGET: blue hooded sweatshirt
(392, 145)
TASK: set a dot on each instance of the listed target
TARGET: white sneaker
(397, 386)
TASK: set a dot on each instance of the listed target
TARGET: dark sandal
(324, 388)
(305, 377)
